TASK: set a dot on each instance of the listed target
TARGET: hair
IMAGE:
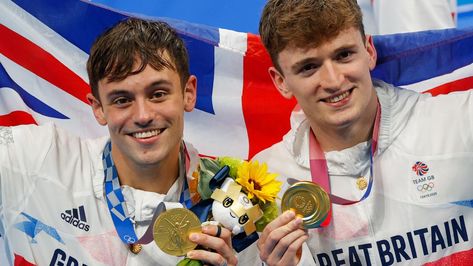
(115, 52)
(304, 23)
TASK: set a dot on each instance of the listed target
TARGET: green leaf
(189, 262)
(233, 163)
(208, 168)
(270, 212)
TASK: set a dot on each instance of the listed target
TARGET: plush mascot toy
(237, 195)
(233, 210)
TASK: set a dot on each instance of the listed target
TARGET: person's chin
(149, 159)
(344, 121)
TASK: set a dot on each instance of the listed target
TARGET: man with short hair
(397, 164)
(65, 200)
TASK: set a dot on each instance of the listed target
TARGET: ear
(190, 93)
(371, 51)
(97, 109)
(279, 82)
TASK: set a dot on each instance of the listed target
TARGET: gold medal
(361, 183)
(309, 201)
(172, 228)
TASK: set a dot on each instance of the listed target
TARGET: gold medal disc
(172, 229)
(308, 200)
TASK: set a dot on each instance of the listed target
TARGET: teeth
(338, 98)
(146, 134)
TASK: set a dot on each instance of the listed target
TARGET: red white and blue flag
(45, 44)
(44, 47)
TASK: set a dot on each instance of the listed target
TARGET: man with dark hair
(399, 182)
(71, 201)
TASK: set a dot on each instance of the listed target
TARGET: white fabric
(388, 16)
(437, 131)
(45, 173)
(3, 255)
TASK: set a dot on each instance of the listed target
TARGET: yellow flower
(257, 182)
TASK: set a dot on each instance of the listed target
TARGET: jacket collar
(98, 175)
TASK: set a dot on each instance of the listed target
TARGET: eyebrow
(115, 94)
(159, 83)
(123, 92)
(296, 66)
(349, 46)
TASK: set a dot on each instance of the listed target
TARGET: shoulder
(275, 153)
(280, 160)
(27, 133)
(25, 144)
(34, 148)
(389, 94)
(426, 124)
(35, 139)
(32, 136)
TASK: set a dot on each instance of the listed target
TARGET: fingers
(284, 242)
(282, 239)
(209, 257)
(282, 220)
(293, 252)
(222, 246)
(278, 241)
(218, 232)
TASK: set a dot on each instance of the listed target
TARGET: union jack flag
(420, 168)
(45, 43)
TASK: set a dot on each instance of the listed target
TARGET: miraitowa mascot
(229, 207)
(233, 210)
(225, 202)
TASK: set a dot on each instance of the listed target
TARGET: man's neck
(337, 139)
(156, 178)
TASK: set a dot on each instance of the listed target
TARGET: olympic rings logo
(425, 187)
(129, 239)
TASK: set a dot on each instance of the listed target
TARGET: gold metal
(309, 201)
(361, 183)
(135, 248)
(172, 229)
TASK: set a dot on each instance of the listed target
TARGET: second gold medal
(309, 201)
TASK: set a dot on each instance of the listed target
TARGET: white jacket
(408, 218)
(52, 205)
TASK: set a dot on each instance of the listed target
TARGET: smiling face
(144, 114)
(332, 81)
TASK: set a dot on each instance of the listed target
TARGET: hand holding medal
(172, 229)
(309, 201)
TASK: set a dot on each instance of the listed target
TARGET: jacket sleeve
(22, 151)
(6, 138)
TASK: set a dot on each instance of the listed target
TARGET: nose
(330, 76)
(143, 113)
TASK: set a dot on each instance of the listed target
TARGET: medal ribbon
(116, 202)
(319, 170)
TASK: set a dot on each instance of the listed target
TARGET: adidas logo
(76, 217)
